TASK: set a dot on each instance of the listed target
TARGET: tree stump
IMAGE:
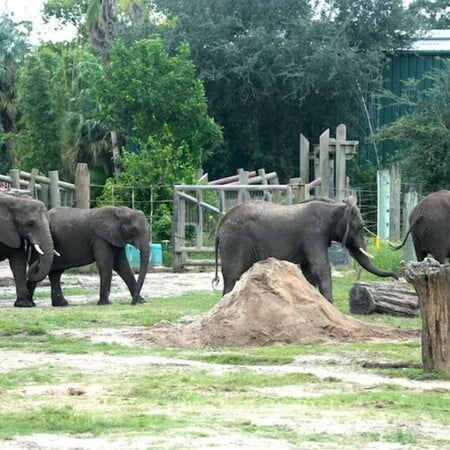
(431, 281)
(387, 297)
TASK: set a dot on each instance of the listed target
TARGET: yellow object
(377, 242)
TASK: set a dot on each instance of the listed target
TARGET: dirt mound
(272, 303)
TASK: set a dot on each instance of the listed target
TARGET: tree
(149, 93)
(13, 48)
(435, 13)
(40, 88)
(273, 69)
(156, 100)
(422, 133)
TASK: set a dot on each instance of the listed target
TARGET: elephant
(24, 222)
(299, 233)
(429, 225)
(82, 236)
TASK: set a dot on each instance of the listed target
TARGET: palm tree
(13, 48)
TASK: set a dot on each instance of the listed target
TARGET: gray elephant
(82, 236)
(24, 222)
(299, 233)
(429, 225)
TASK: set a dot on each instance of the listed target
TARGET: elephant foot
(103, 302)
(138, 300)
(60, 302)
(24, 303)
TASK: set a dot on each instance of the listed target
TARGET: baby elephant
(82, 236)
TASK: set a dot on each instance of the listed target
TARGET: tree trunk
(115, 153)
(431, 281)
(388, 297)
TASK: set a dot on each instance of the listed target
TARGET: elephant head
(23, 221)
(121, 226)
(350, 232)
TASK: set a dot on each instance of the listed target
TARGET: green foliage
(151, 94)
(13, 48)
(40, 88)
(422, 134)
(433, 12)
(273, 69)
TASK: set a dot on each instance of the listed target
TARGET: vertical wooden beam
(82, 186)
(304, 159)
(324, 163)
(243, 179)
(32, 183)
(341, 137)
(15, 178)
(179, 230)
(55, 195)
(410, 200)
(383, 193)
(199, 222)
(395, 201)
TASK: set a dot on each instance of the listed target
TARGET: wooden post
(15, 178)
(431, 281)
(267, 196)
(199, 221)
(304, 158)
(243, 179)
(341, 137)
(32, 182)
(394, 202)
(411, 199)
(82, 186)
(55, 195)
(179, 232)
(383, 192)
(324, 163)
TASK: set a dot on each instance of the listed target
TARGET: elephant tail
(215, 280)
(398, 247)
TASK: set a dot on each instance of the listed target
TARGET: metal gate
(197, 210)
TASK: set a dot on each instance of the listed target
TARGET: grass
(238, 395)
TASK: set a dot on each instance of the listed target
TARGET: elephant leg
(104, 258)
(123, 269)
(56, 294)
(18, 265)
(320, 272)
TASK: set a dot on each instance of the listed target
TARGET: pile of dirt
(271, 304)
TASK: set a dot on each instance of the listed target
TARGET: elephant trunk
(40, 268)
(144, 249)
(367, 264)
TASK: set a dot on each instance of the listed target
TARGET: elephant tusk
(38, 249)
(56, 253)
(366, 253)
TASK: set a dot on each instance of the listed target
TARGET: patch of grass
(20, 377)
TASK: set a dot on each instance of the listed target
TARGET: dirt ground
(166, 284)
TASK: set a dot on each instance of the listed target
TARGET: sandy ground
(158, 283)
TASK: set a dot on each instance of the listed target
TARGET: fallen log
(386, 297)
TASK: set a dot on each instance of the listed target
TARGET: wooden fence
(198, 208)
(51, 190)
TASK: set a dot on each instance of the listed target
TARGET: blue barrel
(134, 257)
(156, 256)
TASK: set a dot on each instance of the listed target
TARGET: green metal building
(414, 62)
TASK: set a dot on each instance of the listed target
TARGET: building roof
(434, 41)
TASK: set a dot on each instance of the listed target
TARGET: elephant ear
(111, 223)
(8, 232)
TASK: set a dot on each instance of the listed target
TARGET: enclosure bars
(183, 200)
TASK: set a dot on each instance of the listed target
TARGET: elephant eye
(30, 223)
